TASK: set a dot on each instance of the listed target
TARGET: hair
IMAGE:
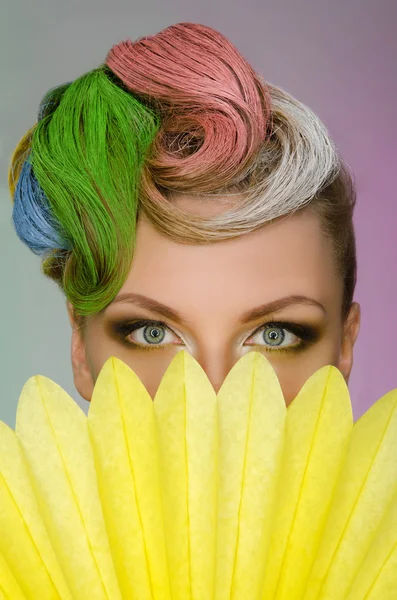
(179, 112)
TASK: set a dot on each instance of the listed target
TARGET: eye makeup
(123, 329)
(307, 334)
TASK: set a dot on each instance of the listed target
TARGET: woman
(182, 202)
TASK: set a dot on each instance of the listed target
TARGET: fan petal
(366, 486)
(196, 496)
(252, 415)
(9, 589)
(54, 435)
(185, 411)
(377, 577)
(122, 428)
(319, 423)
(24, 544)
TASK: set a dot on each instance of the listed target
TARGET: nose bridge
(215, 350)
(216, 362)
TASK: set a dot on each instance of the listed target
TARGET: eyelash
(307, 334)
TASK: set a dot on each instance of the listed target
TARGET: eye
(278, 336)
(147, 333)
(275, 336)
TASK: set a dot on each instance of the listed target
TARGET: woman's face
(275, 290)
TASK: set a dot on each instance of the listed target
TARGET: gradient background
(337, 56)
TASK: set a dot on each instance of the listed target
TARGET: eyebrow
(251, 315)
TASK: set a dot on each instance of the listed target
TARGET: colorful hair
(177, 112)
(77, 189)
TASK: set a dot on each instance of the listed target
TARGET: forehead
(290, 256)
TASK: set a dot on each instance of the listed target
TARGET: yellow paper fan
(198, 496)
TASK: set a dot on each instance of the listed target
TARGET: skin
(211, 287)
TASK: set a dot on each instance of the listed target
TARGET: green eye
(146, 334)
(153, 334)
(277, 336)
(283, 336)
(274, 336)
